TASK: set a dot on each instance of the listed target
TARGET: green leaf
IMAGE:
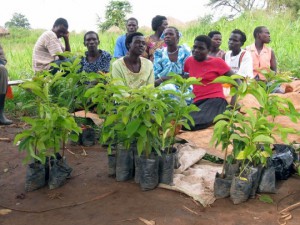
(142, 130)
(241, 155)
(110, 119)
(266, 199)
(132, 127)
(263, 139)
(224, 80)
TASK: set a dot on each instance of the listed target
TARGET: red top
(208, 70)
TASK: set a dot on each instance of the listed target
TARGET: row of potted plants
(251, 135)
(141, 124)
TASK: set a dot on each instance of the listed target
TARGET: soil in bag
(222, 186)
(60, 171)
(240, 189)
(267, 181)
(124, 164)
(166, 168)
(149, 173)
(112, 165)
(35, 176)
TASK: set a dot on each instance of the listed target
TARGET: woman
(171, 58)
(95, 60)
(133, 70)
(155, 41)
(216, 41)
(209, 97)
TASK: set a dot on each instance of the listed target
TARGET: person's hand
(66, 36)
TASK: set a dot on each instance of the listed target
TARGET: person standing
(95, 60)
(216, 41)
(48, 47)
(3, 87)
(133, 70)
(155, 41)
(132, 26)
(263, 57)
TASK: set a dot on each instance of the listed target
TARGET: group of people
(148, 60)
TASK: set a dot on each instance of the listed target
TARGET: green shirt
(133, 80)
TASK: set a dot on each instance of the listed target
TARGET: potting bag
(59, 173)
(35, 177)
(282, 161)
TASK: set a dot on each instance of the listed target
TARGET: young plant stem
(224, 163)
(63, 148)
(244, 167)
(230, 124)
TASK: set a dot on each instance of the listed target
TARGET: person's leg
(209, 109)
(3, 89)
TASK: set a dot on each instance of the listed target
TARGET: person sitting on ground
(216, 41)
(209, 97)
(120, 48)
(3, 87)
(95, 60)
(48, 46)
(240, 61)
(263, 57)
(170, 59)
(133, 70)
(155, 41)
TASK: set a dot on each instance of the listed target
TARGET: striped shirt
(45, 51)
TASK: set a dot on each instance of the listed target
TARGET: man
(263, 57)
(240, 61)
(48, 46)
(3, 88)
(120, 48)
(216, 41)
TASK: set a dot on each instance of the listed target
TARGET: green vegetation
(284, 28)
(18, 20)
(115, 13)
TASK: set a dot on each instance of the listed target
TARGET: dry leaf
(148, 222)
(4, 211)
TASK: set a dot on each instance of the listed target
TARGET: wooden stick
(61, 207)
(5, 139)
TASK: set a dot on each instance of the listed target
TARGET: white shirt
(245, 68)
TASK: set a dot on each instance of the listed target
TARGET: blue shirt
(120, 48)
(162, 64)
(101, 64)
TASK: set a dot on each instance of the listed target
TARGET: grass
(285, 30)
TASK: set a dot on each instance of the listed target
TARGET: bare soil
(91, 197)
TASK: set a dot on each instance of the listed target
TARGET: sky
(82, 14)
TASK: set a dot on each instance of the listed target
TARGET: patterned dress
(162, 65)
(102, 63)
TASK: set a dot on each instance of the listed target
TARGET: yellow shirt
(133, 80)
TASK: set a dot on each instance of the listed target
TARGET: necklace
(170, 53)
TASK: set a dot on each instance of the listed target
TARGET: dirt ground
(91, 197)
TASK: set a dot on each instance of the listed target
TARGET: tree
(238, 6)
(115, 14)
(294, 5)
(18, 20)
